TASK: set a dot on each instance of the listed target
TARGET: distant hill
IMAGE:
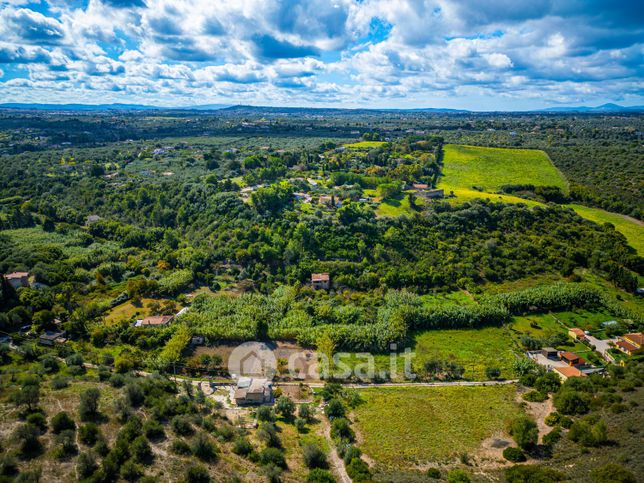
(603, 108)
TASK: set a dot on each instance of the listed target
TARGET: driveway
(545, 362)
(601, 346)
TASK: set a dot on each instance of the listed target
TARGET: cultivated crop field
(402, 427)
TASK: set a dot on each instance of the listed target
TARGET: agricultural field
(408, 427)
(364, 144)
(488, 169)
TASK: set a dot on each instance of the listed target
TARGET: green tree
(525, 432)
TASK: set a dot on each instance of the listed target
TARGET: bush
(59, 382)
(535, 396)
(532, 473)
(458, 475)
(514, 454)
(242, 446)
(549, 382)
(8, 465)
(140, 450)
(552, 437)
(334, 409)
(88, 408)
(286, 407)
(130, 471)
(300, 425)
(39, 420)
(525, 432)
(318, 475)
(358, 470)
(181, 426)
(86, 465)
(433, 473)
(492, 373)
(267, 433)
(272, 456)
(180, 447)
(612, 473)
(314, 457)
(197, 474)
(89, 433)
(154, 430)
(117, 380)
(587, 432)
(203, 448)
(341, 429)
(66, 441)
(61, 422)
(350, 453)
(265, 413)
(571, 402)
(134, 395)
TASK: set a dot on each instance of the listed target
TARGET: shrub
(318, 475)
(535, 396)
(181, 426)
(314, 457)
(571, 402)
(197, 474)
(39, 420)
(74, 360)
(134, 395)
(89, 433)
(305, 412)
(140, 450)
(66, 444)
(358, 470)
(553, 419)
(59, 382)
(179, 446)
(351, 452)
(552, 437)
(334, 409)
(203, 448)
(458, 475)
(300, 425)
(154, 430)
(286, 407)
(514, 454)
(61, 422)
(272, 456)
(341, 429)
(86, 465)
(267, 433)
(525, 432)
(530, 473)
(549, 382)
(242, 446)
(492, 373)
(8, 465)
(612, 473)
(130, 471)
(588, 432)
(117, 380)
(88, 408)
(433, 473)
(265, 413)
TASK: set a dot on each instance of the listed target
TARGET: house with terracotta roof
(631, 344)
(18, 279)
(566, 373)
(154, 321)
(320, 281)
(577, 334)
(571, 359)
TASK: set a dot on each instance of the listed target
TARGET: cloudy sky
(481, 55)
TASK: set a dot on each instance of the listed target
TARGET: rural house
(18, 279)
(154, 321)
(571, 359)
(437, 193)
(420, 186)
(549, 353)
(320, 281)
(631, 344)
(566, 373)
(253, 391)
(577, 334)
(51, 338)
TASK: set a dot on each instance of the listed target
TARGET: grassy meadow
(491, 168)
(403, 427)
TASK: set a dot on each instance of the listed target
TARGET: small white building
(253, 391)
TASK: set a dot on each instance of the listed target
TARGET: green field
(365, 145)
(402, 427)
(491, 168)
(631, 228)
(474, 349)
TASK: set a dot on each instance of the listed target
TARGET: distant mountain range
(604, 108)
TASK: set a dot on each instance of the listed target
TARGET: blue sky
(480, 55)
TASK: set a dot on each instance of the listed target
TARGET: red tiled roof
(578, 332)
(319, 277)
(570, 371)
(626, 346)
(635, 338)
